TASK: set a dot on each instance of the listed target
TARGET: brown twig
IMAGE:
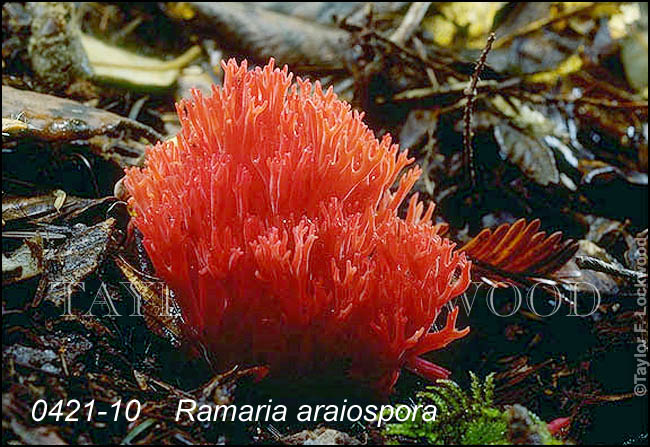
(591, 263)
(470, 94)
(411, 22)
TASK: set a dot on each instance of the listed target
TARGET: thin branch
(411, 22)
(470, 94)
(591, 263)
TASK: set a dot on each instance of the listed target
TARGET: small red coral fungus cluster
(272, 219)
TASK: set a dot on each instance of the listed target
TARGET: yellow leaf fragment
(570, 65)
(476, 16)
(60, 199)
(181, 10)
(118, 65)
(11, 126)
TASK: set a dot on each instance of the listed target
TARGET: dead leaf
(43, 208)
(521, 248)
(116, 65)
(51, 118)
(158, 318)
(75, 260)
(262, 33)
(532, 156)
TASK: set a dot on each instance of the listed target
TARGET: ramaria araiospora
(272, 218)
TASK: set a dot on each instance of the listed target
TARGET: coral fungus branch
(273, 220)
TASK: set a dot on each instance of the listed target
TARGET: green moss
(469, 418)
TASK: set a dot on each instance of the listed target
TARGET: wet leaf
(72, 262)
(158, 318)
(532, 156)
(43, 208)
(51, 118)
(263, 33)
(603, 231)
(325, 12)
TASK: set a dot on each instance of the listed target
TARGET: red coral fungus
(272, 219)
